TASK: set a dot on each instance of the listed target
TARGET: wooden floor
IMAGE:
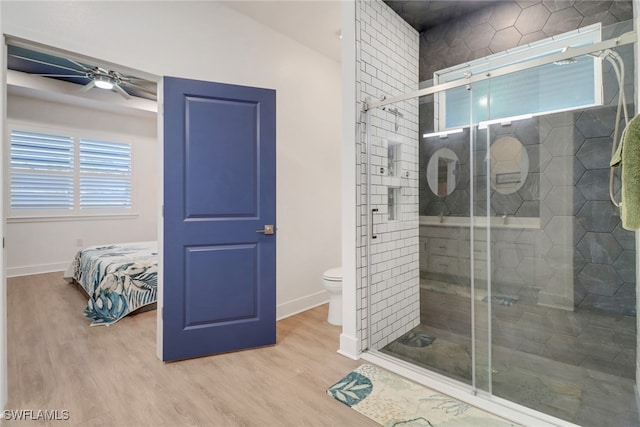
(110, 376)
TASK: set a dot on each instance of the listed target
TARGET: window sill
(57, 218)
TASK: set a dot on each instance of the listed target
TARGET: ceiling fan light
(103, 82)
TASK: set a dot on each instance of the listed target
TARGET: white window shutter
(41, 171)
(105, 175)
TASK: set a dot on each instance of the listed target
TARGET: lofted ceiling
(314, 23)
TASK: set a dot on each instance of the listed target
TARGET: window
(41, 171)
(66, 175)
(105, 175)
(572, 84)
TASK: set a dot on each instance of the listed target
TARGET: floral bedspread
(119, 279)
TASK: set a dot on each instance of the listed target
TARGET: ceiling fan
(96, 76)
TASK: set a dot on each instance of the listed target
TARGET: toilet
(332, 281)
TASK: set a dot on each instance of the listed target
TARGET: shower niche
(394, 175)
(393, 169)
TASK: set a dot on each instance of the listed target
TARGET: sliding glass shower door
(495, 257)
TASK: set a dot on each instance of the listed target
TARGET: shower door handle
(373, 236)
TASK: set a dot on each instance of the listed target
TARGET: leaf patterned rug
(392, 400)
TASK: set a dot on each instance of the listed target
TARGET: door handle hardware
(373, 236)
(268, 229)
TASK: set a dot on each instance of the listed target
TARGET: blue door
(219, 216)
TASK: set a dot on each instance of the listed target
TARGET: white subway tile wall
(387, 65)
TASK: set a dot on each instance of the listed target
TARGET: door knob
(268, 229)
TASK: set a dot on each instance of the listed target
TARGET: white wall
(205, 40)
(46, 245)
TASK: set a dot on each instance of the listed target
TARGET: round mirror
(443, 172)
(509, 164)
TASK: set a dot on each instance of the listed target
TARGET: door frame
(4, 392)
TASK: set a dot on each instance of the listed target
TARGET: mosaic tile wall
(567, 187)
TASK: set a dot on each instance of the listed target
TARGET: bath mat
(391, 400)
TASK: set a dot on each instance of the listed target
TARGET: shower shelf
(393, 173)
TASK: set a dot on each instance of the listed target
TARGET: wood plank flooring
(110, 376)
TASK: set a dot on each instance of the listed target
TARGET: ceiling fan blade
(83, 67)
(140, 88)
(121, 91)
(132, 78)
(47, 63)
(60, 75)
(88, 86)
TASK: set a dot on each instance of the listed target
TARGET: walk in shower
(527, 280)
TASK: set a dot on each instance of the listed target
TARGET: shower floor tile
(575, 366)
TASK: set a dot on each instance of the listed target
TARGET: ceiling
(314, 23)
(43, 63)
(423, 15)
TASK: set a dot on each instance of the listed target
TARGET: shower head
(395, 112)
(566, 61)
(601, 54)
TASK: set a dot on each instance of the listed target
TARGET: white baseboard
(349, 347)
(36, 269)
(299, 305)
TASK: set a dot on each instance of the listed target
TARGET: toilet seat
(333, 275)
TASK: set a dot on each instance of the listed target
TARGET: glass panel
(392, 219)
(561, 294)
(442, 342)
(479, 249)
(568, 84)
(552, 87)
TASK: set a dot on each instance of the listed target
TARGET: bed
(118, 278)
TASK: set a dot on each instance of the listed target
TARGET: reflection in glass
(442, 172)
(509, 165)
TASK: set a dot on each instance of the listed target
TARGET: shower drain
(508, 301)
(416, 340)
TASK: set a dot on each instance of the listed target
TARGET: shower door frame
(572, 52)
(468, 393)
